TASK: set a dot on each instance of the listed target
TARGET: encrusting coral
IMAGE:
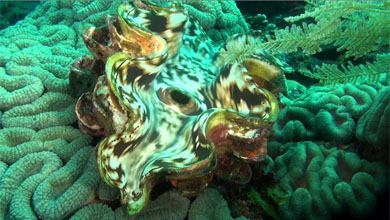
(65, 141)
(44, 53)
(76, 15)
(16, 143)
(335, 124)
(169, 205)
(11, 12)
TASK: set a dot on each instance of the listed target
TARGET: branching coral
(330, 74)
(356, 27)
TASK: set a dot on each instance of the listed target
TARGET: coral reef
(48, 169)
(76, 15)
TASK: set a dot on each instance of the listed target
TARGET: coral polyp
(169, 106)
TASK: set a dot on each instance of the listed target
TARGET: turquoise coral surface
(327, 156)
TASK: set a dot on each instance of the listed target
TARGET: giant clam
(167, 108)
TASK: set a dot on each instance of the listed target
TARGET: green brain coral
(324, 113)
(323, 181)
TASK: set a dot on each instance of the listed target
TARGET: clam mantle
(168, 105)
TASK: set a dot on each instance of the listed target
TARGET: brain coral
(322, 181)
(20, 180)
(18, 90)
(37, 112)
(68, 188)
(210, 205)
(170, 205)
(373, 126)
(325, 113)
(220, 19)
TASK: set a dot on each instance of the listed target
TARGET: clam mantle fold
(168, 105)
